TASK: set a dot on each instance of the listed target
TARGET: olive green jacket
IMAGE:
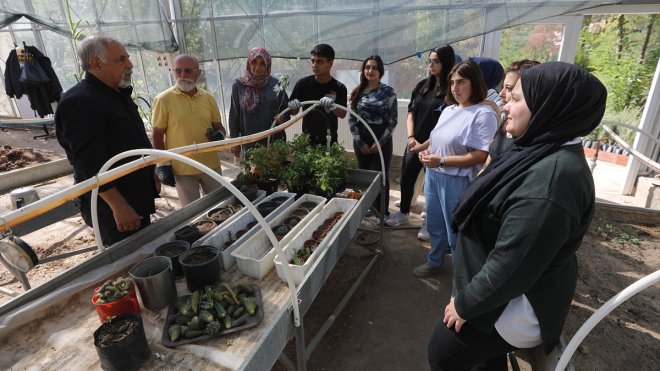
(524, 242)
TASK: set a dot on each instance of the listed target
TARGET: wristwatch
(442, 163)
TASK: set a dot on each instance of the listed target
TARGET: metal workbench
(61, 308)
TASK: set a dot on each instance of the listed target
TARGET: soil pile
(16, 158)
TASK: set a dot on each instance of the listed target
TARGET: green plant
(298, 172)
(329, 168)
(267, 162)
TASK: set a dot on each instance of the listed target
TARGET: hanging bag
(32, 73)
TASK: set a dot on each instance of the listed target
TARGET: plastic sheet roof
(394, 29)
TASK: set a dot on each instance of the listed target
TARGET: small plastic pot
(270, 186)
(187, 233)
(219, 215)
(281, 230)
(201, 266)
(127, 304)
(250, 191)
(292, 220)
(122, 344)
(173, 250)
(266, 208)
(309, 205)
(204, 226)
(312, 244)
(301, 212)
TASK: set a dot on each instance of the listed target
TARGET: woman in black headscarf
(520, 224)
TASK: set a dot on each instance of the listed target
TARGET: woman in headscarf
(503, 141)
(520, 224)
(493, 74)
(254, 101)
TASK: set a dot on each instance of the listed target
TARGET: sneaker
(397, 203)
(423, 233)
(425, 270)
(397, 220)
(423, 214)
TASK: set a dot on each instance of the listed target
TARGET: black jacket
(41, 95)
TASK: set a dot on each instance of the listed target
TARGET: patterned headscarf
(252, 83)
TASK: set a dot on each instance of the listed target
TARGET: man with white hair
(183, 115)
(96, 120)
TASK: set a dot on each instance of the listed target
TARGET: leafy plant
(330, 167)
(267, 162)
(298, 172)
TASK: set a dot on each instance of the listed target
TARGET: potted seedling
(114, 298)
(329, 170)
(281, 230)
(204, 226)
(266, 163)
(292, 220)
(221, 214)
(298, 172)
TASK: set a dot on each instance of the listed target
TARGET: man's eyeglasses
(187, 71)
(433, 61)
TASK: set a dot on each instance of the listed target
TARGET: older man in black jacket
(96, 120)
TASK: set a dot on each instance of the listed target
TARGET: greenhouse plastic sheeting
(139, 24)
(394, 29)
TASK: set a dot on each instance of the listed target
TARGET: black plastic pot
(266, 208)
(187, 233)
(173, 250)
(299, 191)
(122, 352)
(270, 186)
(250, 191)
(201, 266)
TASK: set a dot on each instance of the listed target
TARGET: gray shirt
(242, 123)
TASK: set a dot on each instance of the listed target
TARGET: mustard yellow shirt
(185, 120)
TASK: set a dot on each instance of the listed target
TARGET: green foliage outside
(622, 51)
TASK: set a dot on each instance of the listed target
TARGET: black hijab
(566, 102)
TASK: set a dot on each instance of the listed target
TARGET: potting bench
(61, 310)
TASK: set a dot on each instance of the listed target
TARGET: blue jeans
(442, 193)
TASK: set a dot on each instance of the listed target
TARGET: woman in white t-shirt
(457, 147)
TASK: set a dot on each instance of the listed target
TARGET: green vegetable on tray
(211, 310)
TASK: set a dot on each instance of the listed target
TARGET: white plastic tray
(227, 201)
(218, 237)
(299, 271)
(255, 256)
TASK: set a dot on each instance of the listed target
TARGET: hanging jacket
(41, 95)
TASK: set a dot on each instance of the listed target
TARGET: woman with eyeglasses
(254, 101)
(520, 224)
(453, 155)
(426, 105)
(376, 103)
